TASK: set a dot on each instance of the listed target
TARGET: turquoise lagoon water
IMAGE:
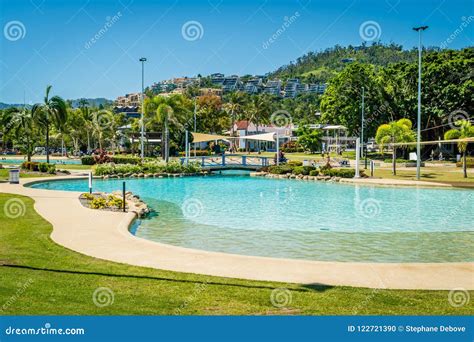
(301, 219)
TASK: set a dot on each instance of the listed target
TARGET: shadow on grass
(303, 288)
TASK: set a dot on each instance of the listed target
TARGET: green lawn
(40, 277)
(4, 175)
(430, 174)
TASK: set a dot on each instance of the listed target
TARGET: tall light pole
(362, 124)
(419, 29)
(195, 124)
(142, 124)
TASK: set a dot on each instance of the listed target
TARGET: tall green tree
(465, 130)
(310, 139)
(394, 133)
(52, 111)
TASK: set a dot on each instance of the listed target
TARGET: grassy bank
(40, 277)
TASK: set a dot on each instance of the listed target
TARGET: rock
(147, 175)
(105, 177)
(141, 175)
(305, 177)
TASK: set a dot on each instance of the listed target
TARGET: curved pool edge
(105, 235)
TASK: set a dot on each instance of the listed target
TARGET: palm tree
(259, 112)
(466, 130)
(394, 133)
(88, 120)
(22, 126)
(102, 121)
(52, 110)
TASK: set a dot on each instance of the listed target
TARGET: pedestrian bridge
(230, 162)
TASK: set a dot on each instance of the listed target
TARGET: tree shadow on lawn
(303, 288)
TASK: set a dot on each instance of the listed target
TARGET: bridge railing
(230, 160)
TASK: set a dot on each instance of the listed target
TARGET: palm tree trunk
(47, 143)
(88, 142)
(394, 161)
(464, 160)
(167, 149)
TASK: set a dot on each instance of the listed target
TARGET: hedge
(146, 168)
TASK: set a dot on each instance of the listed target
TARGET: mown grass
(41, 277)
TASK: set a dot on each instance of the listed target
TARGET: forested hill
(320, 66)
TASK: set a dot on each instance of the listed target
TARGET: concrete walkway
(105, 235)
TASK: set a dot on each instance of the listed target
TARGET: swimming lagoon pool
(301, 219)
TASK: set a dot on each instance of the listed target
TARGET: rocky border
(133, 203)
(293, 176)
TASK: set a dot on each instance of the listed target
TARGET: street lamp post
(142, 124)
(195, 124)
(362, 126)
(419, 29)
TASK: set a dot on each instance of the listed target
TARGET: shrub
(199, 153)
(88, 196)
(51, 168)
(302, 170)
(31, 166)
(98, 203)
(295, 163)
(43, 167)
(87, 160)
(150, 167)
(113, 201)
(126, 160)
(314, 172)
(280, 169)
(343, 173)
(469, 163)
(291, 146)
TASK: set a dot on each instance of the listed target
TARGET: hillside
(320, 66)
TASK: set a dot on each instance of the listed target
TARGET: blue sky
(50, 41)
